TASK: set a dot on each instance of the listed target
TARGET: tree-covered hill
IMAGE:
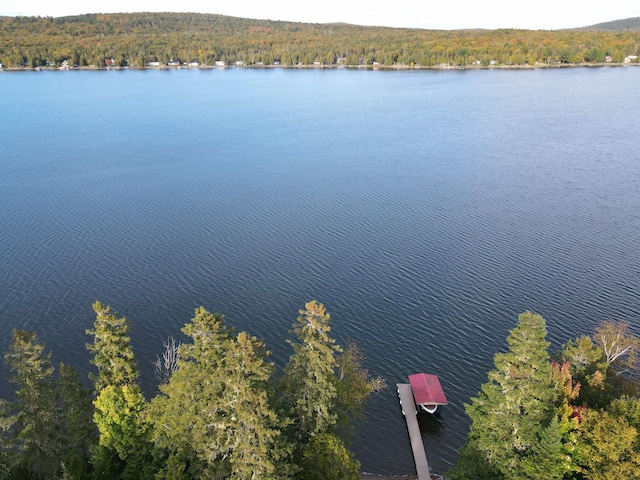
(140, 38)
(623, 25)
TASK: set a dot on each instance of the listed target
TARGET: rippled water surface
(424, 209)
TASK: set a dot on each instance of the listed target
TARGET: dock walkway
(409, 412)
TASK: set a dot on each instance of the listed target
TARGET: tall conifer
(513, 411)
(7, 443)
(309, 383)
(119, 400)
(213, 418)
(113, 355)
(78, 430)
(36, 418)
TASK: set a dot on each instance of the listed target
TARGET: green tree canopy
(36, 413)
(79, 432)
(605, 448)
(119, 401)
(137, 38)
(512, 414)
(326, 458)
(113, 355)
(213, 418)
(7, 444)
(309, 383)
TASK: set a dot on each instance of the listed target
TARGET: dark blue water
(424, 209)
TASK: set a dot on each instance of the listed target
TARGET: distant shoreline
(329, 67)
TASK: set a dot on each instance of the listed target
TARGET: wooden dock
(409, 411)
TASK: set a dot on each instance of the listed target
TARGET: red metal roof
(427, 390)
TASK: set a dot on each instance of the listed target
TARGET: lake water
(424, 209)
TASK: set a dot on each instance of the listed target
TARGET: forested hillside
(625, 24)
(140, 38)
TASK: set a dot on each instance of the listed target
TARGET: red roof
(427, 390)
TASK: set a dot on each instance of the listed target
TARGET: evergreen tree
(254, 428)
(123, 433)
(513, 411)
(309, 383)
(36, 419)
(186, 414)
(113, 353)
(78, 430)
(547, 461)
(117, 416)
(213, 418)
(326, 458)
(7, 443)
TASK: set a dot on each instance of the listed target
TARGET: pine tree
(36, 418)
(7, 443)
(78, 430)
(123, 434)
(511, 413)
(213, 418)
(309, 383)
(185, 415)
(254, 427)
(547, 461)
(113, 353)
(326, 458)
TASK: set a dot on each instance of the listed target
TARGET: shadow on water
(430, 423)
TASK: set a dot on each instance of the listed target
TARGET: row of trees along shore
(576, 416)
(221, 412)
(140, 38)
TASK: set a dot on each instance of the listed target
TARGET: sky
(430, 14)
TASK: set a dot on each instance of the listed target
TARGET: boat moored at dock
(427, 392)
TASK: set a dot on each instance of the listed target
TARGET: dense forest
(139, 39)
(574, 416)
(222, 411)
